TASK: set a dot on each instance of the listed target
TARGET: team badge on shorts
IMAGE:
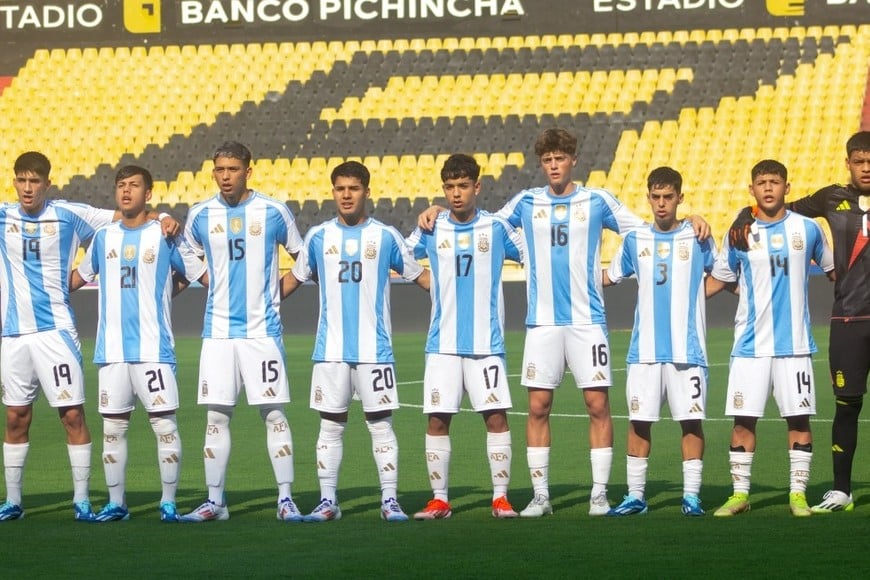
(236, 225)
(435, 398)
(318, 395)
(371, 250)
(483, 243)
(129, 252)
(635, 405)
(255, 229)
(104, 398)
(840, 379)
(797, 242)
(531, 371)
(203, 388)
(738, 400)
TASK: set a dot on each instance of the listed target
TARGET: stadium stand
(708, 102)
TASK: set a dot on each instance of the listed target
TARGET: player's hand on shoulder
(426, 220)
(738, 233)
(170, 226)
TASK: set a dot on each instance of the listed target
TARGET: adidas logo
(385, 400)
(109, 459)
(112, 254)
(270, 392)
(644, 253)
(285, 451)
(540, 214)
(158, 400)
(844, 206)
(836, 448)
(218, 229)
(492, 398)
(331, 251)
(320, 465)
(503, 474)
(445, 245)
(389, 467)
(805, 404)
(435, 476)
(12, 229)
(599, 376)
(537, 474)
(208, 453)
(171, 459)
(64, 396)
(696, 408)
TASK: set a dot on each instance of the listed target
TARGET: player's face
(350, 199)
(231, 175)
(769, 191)
(131, 196)
(31, 189)
(859, 168)
(557, 167)
(664, 199)
(461, 194)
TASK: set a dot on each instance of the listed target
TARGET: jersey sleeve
(815, 205)
(402, 256)
(514, 246)
(618, 218)
(192, 230)
(822, 253)
(725, 266)
(185, 260)
(621, 265)
(90, 265)
(306, 261)
(417, 242)
(512, 210)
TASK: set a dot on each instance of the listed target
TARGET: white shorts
(584, 348)
(334, 384)
(152, 383)
(648, 386)
(750, 381)
(228, 364)
(447, 376)
(51, 359)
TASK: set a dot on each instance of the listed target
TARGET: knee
(219, 416)
(73, 418)
(164, 425)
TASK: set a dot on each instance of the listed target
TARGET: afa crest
(531, 371)
(683, 251)
(255, 229)
(483, 243)
(149, 256)
(435, 398)
(371, 250)
(738, 400)
(49, 229)
(318, 395)
(797, 242)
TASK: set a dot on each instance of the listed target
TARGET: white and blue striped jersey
(351, 265)
(773, 317)
(135, 268)
(563, 251)
(466, 260)
(241, 246)
(670, 317)
(36, 257)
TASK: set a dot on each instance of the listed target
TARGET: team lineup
(230, 244)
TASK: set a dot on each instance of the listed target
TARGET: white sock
(438, 451)
(217, 451)
(539, 468)
(741, 469)
(115, 457)
(14, 457)
(692, 470)
(601, 459)
(168, 454)
(80, 462)
(385, 448)
(279, 442)
(635, 472)
(799, 472)
(330, 450)
(498, 448)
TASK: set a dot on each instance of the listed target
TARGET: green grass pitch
(767, 542)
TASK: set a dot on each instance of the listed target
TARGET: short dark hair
(769, 167)
(556, 139)
(664, 176)
(460, 165)
(860, 141)
(34, 162)
(234, 150)
(352, 169)
(131, 170)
